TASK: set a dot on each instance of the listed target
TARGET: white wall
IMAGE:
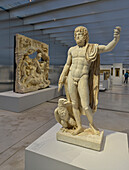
(118, 80)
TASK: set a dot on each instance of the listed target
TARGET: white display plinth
(101, 88)
(17, 102)
(46, 153)
(118, 79)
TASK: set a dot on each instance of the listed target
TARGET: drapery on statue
(80, 77)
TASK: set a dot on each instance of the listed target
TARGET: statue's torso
(80, 66)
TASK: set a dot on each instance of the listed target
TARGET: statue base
(17, 102)
(85, 139)
(46, 153)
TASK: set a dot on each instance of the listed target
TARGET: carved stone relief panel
(31, 74)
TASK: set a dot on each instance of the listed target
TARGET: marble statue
(80, 77)
(31, 73)
(63, 116)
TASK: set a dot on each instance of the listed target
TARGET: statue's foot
(94, 129)
(64, 129)
(77, 131)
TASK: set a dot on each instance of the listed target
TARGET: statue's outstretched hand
(117, 31)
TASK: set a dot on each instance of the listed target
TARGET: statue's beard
(80, 42)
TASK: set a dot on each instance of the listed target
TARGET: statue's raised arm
(112, 44)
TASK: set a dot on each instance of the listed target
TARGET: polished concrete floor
(18, 130)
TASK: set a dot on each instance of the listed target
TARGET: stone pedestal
(83, 139)
(17, 102)
(46, 153)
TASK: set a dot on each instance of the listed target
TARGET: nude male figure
(77, 70)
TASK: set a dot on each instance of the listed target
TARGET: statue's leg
(64, 123)
(72, 88)
(83, 89)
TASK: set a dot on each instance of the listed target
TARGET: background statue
(31, 74)
(81, 76)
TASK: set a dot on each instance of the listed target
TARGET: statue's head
(63, 102)
(81, 35)
(30, 51)
(39, 56)
(26, 57)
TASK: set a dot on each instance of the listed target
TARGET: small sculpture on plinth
(64, 116)
(80, 77)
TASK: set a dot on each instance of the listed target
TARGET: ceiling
(58, 19)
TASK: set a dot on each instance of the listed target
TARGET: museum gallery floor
(19, 130)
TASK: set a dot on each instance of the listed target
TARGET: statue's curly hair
(82, 29)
